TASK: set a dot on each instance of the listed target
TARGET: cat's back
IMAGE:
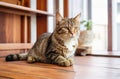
(44, 36)
(41, 43)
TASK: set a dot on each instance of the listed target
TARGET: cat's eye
(62, 30)
(77, 28)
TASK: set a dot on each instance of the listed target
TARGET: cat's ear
(77, 17)
(58, 17)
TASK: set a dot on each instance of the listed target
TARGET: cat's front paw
(65, 63)
(71, 61)
(31, 59)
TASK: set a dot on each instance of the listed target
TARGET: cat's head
(67, 28)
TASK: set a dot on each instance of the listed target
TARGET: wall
(78, 6)
(33, 21)
(75, 7)
(50, 19)
(115, 32)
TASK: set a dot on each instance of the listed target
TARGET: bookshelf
(15, 25)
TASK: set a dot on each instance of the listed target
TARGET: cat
(54, 48)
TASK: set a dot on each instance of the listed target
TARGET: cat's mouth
(72, 35)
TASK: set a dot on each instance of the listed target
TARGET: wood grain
(41, 25)
(12, 46)
(66, 9)
(86, 67)
(110, 37)
(2, 29)
(10, 28)
(26, 9)
(10, 1)
(15, 24)
(41, 19)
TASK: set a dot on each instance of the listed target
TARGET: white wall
(100, 24)
(118, 33)
(33, 22)
(114, 24)
(78, 6)
(51, 20)
(75, 7)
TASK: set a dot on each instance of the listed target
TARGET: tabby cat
(54, 48)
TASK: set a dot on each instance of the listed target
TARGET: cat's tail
(15, 57)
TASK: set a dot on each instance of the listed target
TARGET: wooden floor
(87, 67)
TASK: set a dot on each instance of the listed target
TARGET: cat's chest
(71, 45)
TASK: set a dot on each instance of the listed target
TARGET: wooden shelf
(21, 8)
(17, 19)
(15, 46)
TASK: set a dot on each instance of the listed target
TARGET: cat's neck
(58, 41)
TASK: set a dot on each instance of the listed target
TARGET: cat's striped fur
(57, 47)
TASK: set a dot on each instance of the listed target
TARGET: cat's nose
(72, 35)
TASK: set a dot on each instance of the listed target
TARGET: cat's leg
(58, 59)
(71, 60)
(31, 57)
